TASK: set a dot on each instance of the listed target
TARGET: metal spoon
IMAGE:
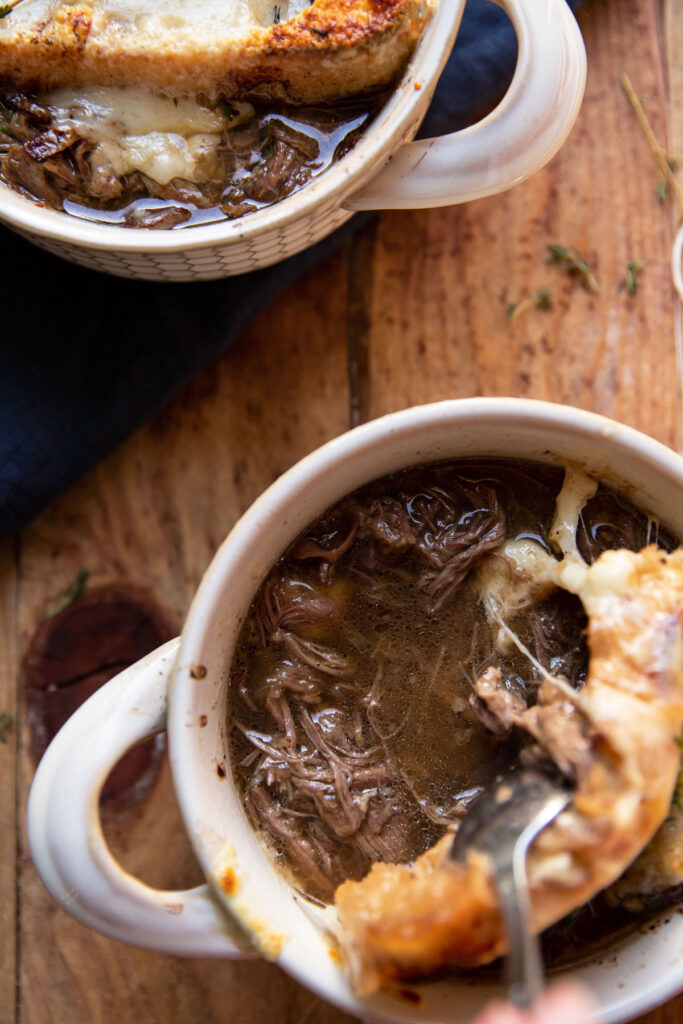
(502, 822)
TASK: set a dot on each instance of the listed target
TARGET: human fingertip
(502, 1013)
(566, 1002)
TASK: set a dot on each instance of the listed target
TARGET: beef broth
(355, 732)
(262, 154)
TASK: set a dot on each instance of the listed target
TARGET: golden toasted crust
(403, 921)
(333, 49)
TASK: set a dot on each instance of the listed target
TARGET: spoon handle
(523, 964)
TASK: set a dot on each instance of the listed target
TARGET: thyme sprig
(6, 9)
(677, 799)
(229, 109)
(574, 263)
(539, 300)
(71, 594)
(632, 280)
(667, 163)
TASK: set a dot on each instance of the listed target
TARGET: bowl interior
(644, 969)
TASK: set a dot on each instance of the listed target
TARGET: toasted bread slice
(290, 50)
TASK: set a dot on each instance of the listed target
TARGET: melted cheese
(519, 575)
(132, 111)
(136, 130)
(234, 16)
(523, 573)
(577, 489)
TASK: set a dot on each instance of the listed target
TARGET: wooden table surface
(413, 309)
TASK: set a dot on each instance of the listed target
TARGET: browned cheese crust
(408, 921)
(331, 50)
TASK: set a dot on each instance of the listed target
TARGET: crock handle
(66, 838)
(511, 143)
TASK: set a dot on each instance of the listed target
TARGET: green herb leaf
(573, 262)
(677, 801)
(662, 191)
(6, 721)
(542, 299)
(229, 109)
(677, 798)
(4, 129)
(71, 594)
(631, 282)
(5, 9)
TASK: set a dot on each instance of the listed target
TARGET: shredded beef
(80, 155)
(279, 172)
(102, 183)
(558, 625)
(22, 104)
(61, 169)
(554, 722)
(305, 145)
(263, 156)
(449, 531)
(355, 733)
(496, 704)
(329, 547)
(159, 217)
(386, 520)
(454, 539)
(181, 191)
(608, 521)
(29, 177)
(50, 142)
(317, 770)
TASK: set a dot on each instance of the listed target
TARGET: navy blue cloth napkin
(95, 356)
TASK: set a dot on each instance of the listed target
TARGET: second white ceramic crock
(247, 908)
(518, 138)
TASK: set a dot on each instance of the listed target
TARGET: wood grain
(673, 35)
(413, 310)
(441, 281)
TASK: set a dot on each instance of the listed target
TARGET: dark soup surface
(141, 160)
(354, 729)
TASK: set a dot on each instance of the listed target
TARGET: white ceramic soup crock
(518, 138)
(181, 688)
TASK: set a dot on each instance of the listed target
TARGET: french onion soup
(173, 115)
(429, 631)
